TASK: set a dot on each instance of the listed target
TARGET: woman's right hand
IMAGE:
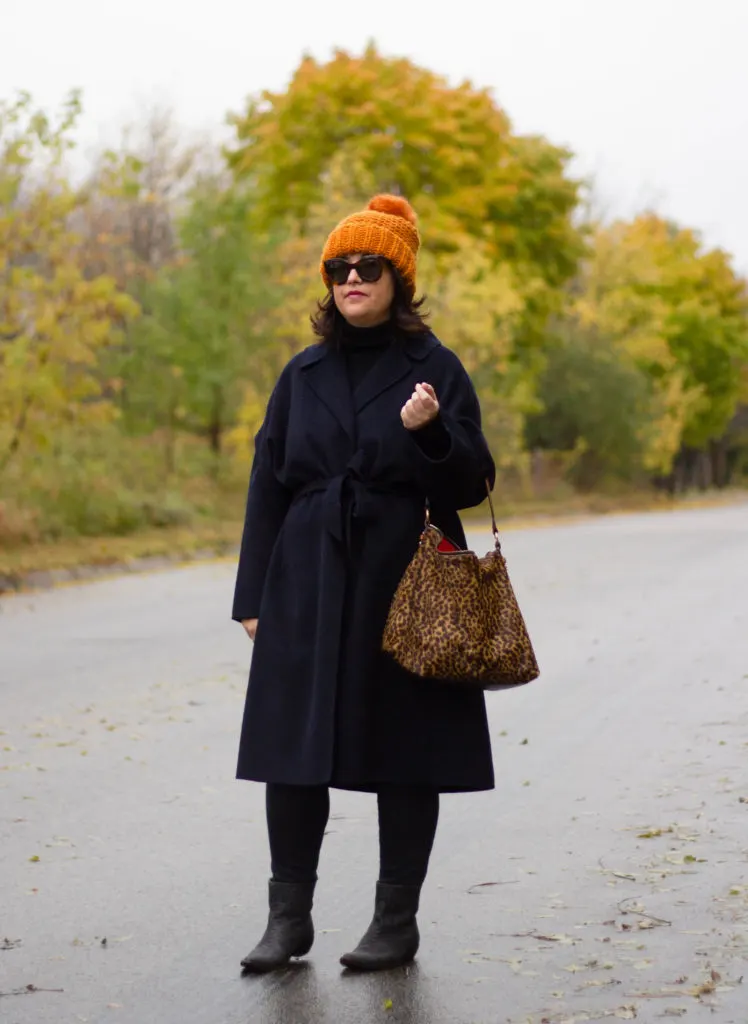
(250, 626)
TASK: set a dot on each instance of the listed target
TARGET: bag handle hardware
(494, 527)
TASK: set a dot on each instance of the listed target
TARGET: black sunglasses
(368, 268)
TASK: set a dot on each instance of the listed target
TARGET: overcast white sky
(651, 94)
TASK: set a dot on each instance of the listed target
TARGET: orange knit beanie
(387, 227)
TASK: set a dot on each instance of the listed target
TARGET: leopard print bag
(455, 617)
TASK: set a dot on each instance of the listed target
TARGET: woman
(361, 429)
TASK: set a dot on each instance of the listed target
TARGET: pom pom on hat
(387, 227)
(395, 205)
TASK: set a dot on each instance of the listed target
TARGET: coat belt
(347, 497)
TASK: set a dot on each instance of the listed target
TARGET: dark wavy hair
(405, 314)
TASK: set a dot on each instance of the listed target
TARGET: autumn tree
(647, 361)
(680, 312)
(54, 320)
(496, 210)
(450, 149)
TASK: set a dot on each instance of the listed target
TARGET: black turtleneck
(362, 348)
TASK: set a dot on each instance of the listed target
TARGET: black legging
(297, 816)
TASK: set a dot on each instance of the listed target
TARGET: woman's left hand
(421, 409)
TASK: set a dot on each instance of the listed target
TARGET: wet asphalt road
(605, 878)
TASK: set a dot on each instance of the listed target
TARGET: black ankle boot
(290, 932)
(392, 937)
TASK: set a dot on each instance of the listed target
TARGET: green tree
(205, 330)
(595, 402)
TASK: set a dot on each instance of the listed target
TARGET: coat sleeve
(451, 457)
(268, 502)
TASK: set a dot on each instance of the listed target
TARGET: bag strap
(494, 527)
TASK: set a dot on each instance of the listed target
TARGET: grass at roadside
(525, 510)
(215, 538)
(177, 543)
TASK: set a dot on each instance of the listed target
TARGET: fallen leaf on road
(28, 989)
(486, 885)
(706, 988)
(638, 910)
(591, 965)
(563, 1017)
(563, 940)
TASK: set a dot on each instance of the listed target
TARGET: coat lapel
(326, 375)
(325, 372)
(388, 370)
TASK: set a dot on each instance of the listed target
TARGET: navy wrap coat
(334, 513)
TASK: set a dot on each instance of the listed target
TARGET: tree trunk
(718, 456)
